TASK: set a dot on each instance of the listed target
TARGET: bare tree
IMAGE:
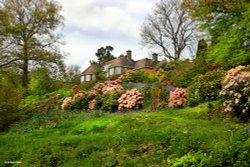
(169, 28)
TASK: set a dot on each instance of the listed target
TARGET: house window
(118, 70)
(93, 77)
(111, 71)
(82, 78)
(88, 78)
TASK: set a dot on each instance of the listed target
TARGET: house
(119, 66)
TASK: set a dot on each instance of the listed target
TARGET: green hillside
(180, 137)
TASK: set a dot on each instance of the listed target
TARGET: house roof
(123, 61)
(91, 69)
(109, 62)
(145, 63)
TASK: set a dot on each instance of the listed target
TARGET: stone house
(119, 66)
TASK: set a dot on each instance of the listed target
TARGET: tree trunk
(25, 77)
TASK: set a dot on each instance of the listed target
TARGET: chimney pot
(155, 56)
(129, 54)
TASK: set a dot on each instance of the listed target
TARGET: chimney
(129, 54)
(155, 56)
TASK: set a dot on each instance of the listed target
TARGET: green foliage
(227, 23)
(158, 91)
(205, 87)
(108, 102)
(180, 72)
(104, 54)
(29, 27)
(10, 98)
(41, 82)
(159, 96)
(80, 103)
(100, 76)
(86, 86)
(72, 75)
(146, 91)
(171, 138)
(137, 77)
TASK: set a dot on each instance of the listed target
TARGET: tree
(104, 54)
(227, 24)
(72, 75)
(27, 34)
(169, 28)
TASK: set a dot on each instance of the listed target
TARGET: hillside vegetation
(177, 137)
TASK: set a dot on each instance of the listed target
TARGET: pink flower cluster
(178, 98)
(68, 100)
(98, 86)
(130, 100)
(110, 86)
(92, 104)
(233, 72)
(237, 92)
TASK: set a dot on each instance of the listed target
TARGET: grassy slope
(166, 138)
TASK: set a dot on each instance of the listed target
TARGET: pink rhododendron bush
(236, 92)
(108, 86)
(130, 100)
(79, 101)
(178, 98)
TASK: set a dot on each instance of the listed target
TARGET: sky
(91, 24)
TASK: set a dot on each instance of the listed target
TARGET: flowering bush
(80, 101)
(233, 72)
(236, 93)
(130, 100)
(92, 104)
(178, 98)
(66, 102)
(98, 87)
(110, 86)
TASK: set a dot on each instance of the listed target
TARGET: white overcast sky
(91, 24)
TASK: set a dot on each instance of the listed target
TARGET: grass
(180, 137)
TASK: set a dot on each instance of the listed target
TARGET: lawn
(180, 137)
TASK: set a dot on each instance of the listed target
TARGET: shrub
(178, 98)
(178, 72)
(130, 100)
(205, 87)
(236, 93)
(10, 98)
(80, 101)
(110, 101)
(158, 91)
(87, 85)
(111, 86)
(161, 75)
(145, 90)
(134, 76)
